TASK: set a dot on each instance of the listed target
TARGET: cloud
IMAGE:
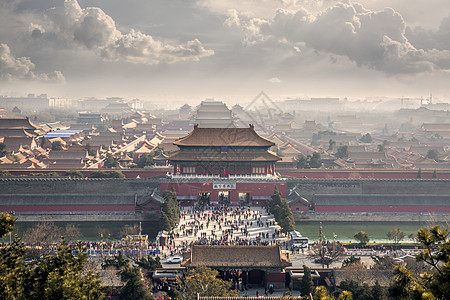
(275, 80)
(375, 39)
(93, 29)
(36, 31)
(19, 68)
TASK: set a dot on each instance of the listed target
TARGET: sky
(187, 50)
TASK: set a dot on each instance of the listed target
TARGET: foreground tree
(434, 284)
(203, 281)
(134, 288)
(60, 276)
(306, 285)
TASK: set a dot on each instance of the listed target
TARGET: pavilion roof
(205, 156)
(223, 137)
(237, 257)
(18, 124)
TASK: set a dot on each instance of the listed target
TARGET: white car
(174, 260)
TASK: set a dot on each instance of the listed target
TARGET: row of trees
(170, 212)
(310, 161)
(279, 207)
(395, 234)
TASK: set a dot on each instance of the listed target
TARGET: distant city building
(313, 104)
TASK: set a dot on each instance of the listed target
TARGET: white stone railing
(254, 176)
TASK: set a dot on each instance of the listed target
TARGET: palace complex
(224, 166)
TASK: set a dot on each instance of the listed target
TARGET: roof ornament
(195, 126)
(252, 126)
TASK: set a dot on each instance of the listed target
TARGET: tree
(367, 138)
(311, 161)
(74, 174)
(433, 154)
(203, 281)
(91, 152)
(116, 174)
(57, 146)
(3, 151)
(148, 263)
(4, 173)
(170, 212)
(111, 161)
(381, 148)
(110, 174)
(282, 212)
(357, 291)
(342, 152)
(320, 293)
(362, 237)
(62, 276)
(331, 145)
(302, 162)
(7, 223)
(350, 261)
(315, 161)
(118, 261)
(41, 237)
(306, 285)
(59, 276)
(129, 230)
(145, 160)
(396, 235)
(346, 295)
(134, 288)
(72, 232)
(377, 291)
(412, 236)
(419, 173)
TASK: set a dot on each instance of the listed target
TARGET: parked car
(323, 260)
(174, 260)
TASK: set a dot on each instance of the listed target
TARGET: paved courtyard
(231, 226)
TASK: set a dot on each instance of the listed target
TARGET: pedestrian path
(225, 226)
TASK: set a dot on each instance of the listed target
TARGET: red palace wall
(253, 188)
(384, 209)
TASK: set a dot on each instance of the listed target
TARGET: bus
(298, 241)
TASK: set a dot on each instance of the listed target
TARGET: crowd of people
(225, 226)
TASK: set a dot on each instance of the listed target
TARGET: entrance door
(244, 198)
(204, 198)
(224, 198)
(256, 276)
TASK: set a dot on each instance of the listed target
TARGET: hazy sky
(230, 50)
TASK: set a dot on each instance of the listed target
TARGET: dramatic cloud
(431, 39)
(93, 29)
(375, 39)
(18, 68)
